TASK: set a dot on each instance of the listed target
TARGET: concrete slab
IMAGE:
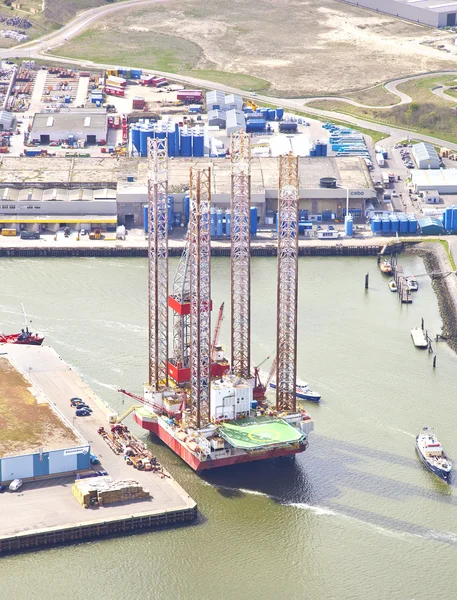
(50, 503)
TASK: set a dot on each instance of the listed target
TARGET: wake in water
(324, 511)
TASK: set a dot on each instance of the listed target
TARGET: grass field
(56, 13)
(25, 424)
(326, 47)
(374, 96)
(427, 113)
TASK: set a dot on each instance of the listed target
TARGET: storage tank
(404, 228)
(271, 114)
(279, 113)
(318, 149)
(447, 218)
(145, 218)
(219, 223)
(145, 134)
(228, 220)
(253, 221)
(412, 224)
(198, 145)
(348, 226)
(385, 225)
(135, 133)
(312, 152)
(394, 224)
(288, 127)
(253, 125)
(186, 144)
(171, 139)
(454, 217)
(376, 225)
(323, 149)
(213, 222)
(187, 208)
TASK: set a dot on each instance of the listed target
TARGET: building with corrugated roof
(444, 181)
(90, 125)
(425, 156)
(217, 118)
(236, 121)
(215, 100)
(428, 12)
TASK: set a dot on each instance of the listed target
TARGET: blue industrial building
(45, 463)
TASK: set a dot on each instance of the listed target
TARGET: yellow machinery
(252, 105)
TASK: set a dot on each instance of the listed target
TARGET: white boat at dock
(412, 284)
(419, 338)
(393, 286)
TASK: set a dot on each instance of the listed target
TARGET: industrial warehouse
(69, 197)
(428, 12)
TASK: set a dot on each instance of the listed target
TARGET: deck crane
(259, 389)
(217, 332)
(143, 401)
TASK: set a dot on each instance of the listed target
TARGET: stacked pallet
(105, 490)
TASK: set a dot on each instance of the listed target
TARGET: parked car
(2, 489)
(331, 228)
(15, 485)
(83, 406)
(75, 401)
(394, 195)
(82, 412)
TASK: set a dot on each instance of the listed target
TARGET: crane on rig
(260, 390)
(217, 331)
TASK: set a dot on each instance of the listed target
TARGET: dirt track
(301, 47)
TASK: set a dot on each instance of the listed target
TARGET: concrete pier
(44, 512)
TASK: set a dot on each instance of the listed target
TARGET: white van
(15, 485)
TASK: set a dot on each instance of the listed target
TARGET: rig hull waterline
(230, 457)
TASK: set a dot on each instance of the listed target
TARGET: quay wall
(32, 540)
(115, 252)
(444, 283)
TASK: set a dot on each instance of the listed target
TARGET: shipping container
(8, 232)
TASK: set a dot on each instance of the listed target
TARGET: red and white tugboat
(25, 337)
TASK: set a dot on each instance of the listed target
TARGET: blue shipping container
(253, 222)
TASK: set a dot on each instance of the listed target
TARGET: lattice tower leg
(158, 262)
(200, 299)
(287, 299)
(241, 253)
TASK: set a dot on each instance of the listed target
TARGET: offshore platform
(210, 412)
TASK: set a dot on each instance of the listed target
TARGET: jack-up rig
(202, 408)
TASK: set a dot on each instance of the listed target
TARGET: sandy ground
(26, 420)
(300, 46)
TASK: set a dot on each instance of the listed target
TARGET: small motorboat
(302, 391)
(393, 286)
(412, 284)
(432, 454)
(386, 267)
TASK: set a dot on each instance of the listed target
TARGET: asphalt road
(41, 48)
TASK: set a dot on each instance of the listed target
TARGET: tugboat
(26, 337)
(386, 267)
(432, 455)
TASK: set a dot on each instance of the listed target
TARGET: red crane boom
(217, 330)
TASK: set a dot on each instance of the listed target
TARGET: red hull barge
(235, 457)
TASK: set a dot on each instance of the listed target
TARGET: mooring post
(422, 325)
(434, 361)
(367, 277)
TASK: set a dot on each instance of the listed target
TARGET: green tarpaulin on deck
(259, 432)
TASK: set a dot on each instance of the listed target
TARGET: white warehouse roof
(235, 121)
(215, 97)
(444, 181)
(426, 156)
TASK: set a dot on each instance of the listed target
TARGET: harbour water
(355, 517)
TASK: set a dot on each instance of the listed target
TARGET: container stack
(105, 490)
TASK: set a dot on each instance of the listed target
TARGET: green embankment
(427, 113)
